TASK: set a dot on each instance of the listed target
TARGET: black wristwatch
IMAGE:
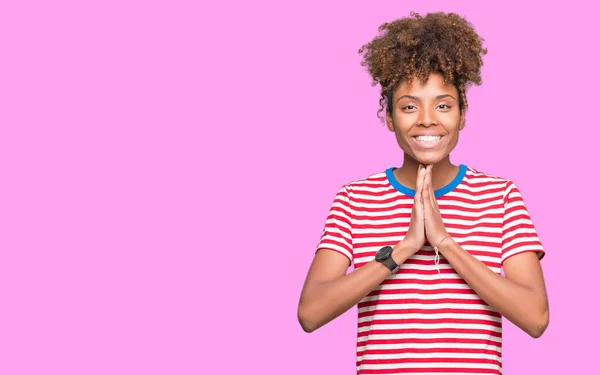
(384, 255)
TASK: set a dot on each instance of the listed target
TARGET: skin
(431, 108)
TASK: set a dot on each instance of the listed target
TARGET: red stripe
(496, 188)
(421, 281)
(326, 241)
(407, 214)
(417, 370)
(379, 292)
(492, 185)
(334, 215)
(330, 230)
(372, 193)
(430, 321)
(530, 228)
(436, 301)
(474, 311)
(403, 341)
(382, 226)
(469, 209)
(408, 331)
(390, 361)
(495, 225)
(402, 233)
(402, 203)
(337, 251)
(490, 217)
(523, 245)
(337, 211)
(539, 253)
(367, 181)
(472, 201)
(428, 350)
(429, 370)
(480, 243)
(356, 187)
(336, 237)
(508, 239)
(524, 216)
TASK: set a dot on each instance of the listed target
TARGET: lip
(426, 145)
(432, 134)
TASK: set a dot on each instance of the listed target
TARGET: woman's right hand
(415, 237)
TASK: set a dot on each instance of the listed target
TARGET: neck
(443, 172)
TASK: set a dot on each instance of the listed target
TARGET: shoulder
(372, 187)
(375, 180)
(374, 183)
(477, 179)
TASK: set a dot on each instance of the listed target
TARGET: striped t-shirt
(425, 318)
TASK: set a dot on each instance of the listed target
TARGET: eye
(444, 106)
(409, 107)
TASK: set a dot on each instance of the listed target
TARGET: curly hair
(413, 47)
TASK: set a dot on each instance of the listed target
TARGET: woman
(429, 239)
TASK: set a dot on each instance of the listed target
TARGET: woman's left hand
(434, 226)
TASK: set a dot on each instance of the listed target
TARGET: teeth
(428, 138)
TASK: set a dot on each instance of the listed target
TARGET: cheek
(452, 139)
(403, 123)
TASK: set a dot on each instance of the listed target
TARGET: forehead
(434, 86)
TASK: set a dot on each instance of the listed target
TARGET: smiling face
(426, 119)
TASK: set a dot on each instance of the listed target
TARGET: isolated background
(166, 168)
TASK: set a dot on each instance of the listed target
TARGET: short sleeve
(518, 232)
(337, 234)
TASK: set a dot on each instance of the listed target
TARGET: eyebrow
(417, 98)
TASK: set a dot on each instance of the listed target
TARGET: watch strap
(391, 264)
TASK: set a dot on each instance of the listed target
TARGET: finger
(431, 195)
(429, 178)
(420, 180)
(425, 188)
(428, 173)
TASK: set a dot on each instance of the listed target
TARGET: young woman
(429, 239)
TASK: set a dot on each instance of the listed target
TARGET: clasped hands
(426, 221)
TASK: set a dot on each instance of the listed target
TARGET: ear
(389, 120)
(461, 124)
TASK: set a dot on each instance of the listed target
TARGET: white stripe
(432, 317)
(397, 238)
(520, 240)
(383, 366)
(498, 185)
(424, 297)
(424, 286)
(403, 227)
(437, 345)
(493, 357)
(441, 336)
(384, 327)
(496, 195)
(421, 306)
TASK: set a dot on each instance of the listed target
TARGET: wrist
(445, 244)
(438, 239)
(402, 251)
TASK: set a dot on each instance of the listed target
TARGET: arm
(329, 292)
(520, 296)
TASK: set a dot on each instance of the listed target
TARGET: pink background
(167, 167)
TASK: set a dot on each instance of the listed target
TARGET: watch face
(383, 253)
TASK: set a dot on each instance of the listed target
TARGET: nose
(427, 117)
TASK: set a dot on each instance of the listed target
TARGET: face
(426, 119)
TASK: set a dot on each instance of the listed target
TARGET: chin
(429, 159)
